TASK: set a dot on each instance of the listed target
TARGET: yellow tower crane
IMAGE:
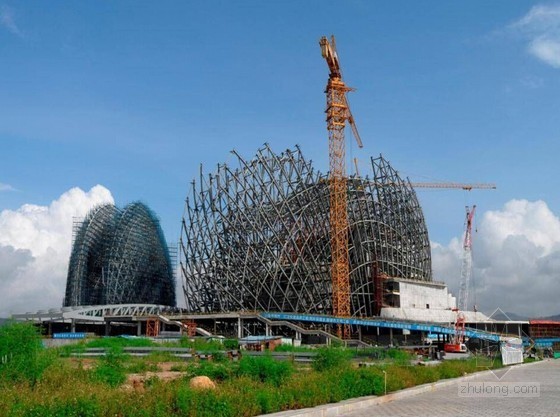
(338, 113)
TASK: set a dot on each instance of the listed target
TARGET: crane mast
(457, 343)
(466, 266)
(338, 113)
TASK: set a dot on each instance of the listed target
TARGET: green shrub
(399, 377)
(265, 368)
(207, 403)
(399, 356)
(369, 381)
(22, 356)
(231, 344)
(214, 371)
(140, 365)
(425, 374)
(291, 348)
(268, 401)
(331, 358)
(448, 369)
(110, 369)
(67, 350)
(219, 356)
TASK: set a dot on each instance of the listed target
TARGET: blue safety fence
(69, 335)
(393, 324)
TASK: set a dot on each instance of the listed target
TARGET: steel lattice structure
(256, 237)
(118, 257)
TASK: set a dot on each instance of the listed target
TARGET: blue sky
(134, 95)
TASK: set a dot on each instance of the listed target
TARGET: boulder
(202, 382)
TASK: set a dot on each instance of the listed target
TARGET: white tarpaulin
(512, 351)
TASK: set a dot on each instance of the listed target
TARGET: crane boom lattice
(466, 267)
(457, 185)
(338, 113)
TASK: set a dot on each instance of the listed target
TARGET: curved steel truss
(118, 257)
(256, 237)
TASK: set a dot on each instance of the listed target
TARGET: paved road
(447, 402)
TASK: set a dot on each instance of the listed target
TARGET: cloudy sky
(121, 101)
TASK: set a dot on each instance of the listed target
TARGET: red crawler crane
(457, 344)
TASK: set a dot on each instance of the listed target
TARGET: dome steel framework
(118, 257)
(256, 237)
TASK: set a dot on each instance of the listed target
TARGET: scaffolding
(152, 327)
(119, 256)
(257, 236)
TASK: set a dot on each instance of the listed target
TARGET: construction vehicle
(457, 343)
(338, 113)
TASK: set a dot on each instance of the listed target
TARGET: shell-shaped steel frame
(257, 236)
(120, 256)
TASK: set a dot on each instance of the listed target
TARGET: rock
(202, 382)
(138, 385)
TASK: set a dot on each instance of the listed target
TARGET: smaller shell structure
(120, 256)
(257, 236)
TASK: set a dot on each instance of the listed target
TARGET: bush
(22, 356)
(265, 368)
(203, 403)
(214, 371)
(332, 358)
(110, 369)
(399, 356)
(231, 344)
(291, 348)
(140, 365)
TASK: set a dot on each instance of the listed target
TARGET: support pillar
(107, 328)
(391, 336)
(239, 328)
(73, 326)
(267, 330)
(139, 328)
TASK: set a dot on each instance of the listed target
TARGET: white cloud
(35, 245)
(7, 20)
(516, 260)
(6, 187)
(547, 50)
(541, 26)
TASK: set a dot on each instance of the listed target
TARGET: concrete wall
(413, 295)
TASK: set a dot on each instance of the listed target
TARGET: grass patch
(252, 386)
(265, 369)
(110, 369)
(291, 348)
(332, 358)
(119, 342)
